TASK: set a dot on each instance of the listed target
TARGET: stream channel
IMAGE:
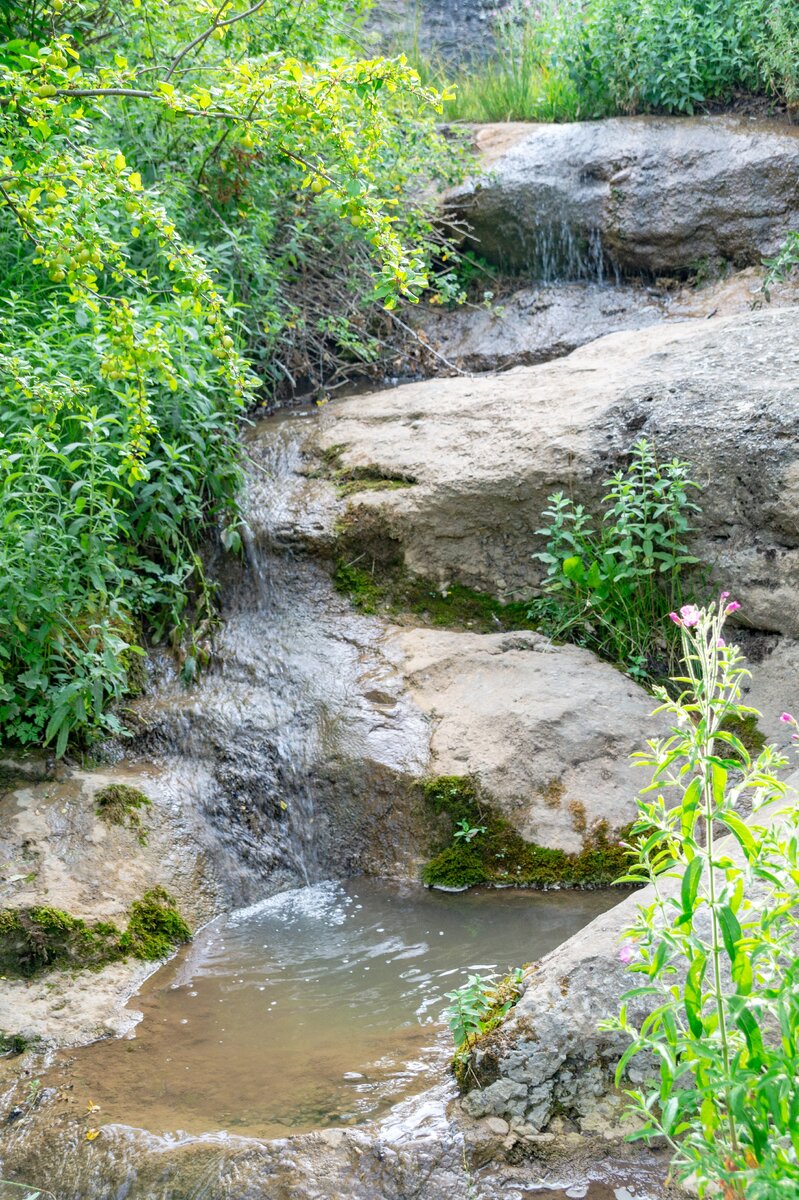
(315, 1004)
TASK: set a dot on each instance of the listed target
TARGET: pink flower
(626, 955)
(676, 618)
(690, 615)
(725, 595)
(787, 718)
(720, 644)
(732, 607)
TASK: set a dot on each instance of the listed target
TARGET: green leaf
(573, 569)
(692, 996)
(690, 885)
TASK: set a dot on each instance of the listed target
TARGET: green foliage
(497, 854)
(183, 189)
(609, 587)
(120, 804)
(579, 59)
(715, 952)
(44, 938)
(15, 1043)
(479, 1005)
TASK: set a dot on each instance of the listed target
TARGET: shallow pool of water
(318, 1007)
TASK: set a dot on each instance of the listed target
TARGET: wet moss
(394, 592)
(42, 938)
(500, 855)
(16, 1043)
(155, 926)
(120, 804)
(349, 480)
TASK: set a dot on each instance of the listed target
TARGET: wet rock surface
(536, 324)
(647, 195)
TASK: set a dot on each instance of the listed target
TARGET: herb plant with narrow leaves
(716, 1011)
(610, 583)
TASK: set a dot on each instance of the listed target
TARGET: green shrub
(609, 584)
(166, 226)
(579, 59)
(713, 1011)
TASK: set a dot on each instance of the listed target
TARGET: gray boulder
(653, 195)
(486, 452)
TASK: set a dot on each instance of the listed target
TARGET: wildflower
(626, 955)
(690, 615)
(788, 718)
(725, 596)
(720, 644)
(732, 607)
(675, 618)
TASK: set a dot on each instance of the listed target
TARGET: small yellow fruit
(46, 90)
(318, 186)
(227, 342)
(58, 276)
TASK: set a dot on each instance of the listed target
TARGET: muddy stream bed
(321, 1006)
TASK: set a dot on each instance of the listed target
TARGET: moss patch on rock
(349, 480)
(44, 938)
(500, 855)
(120, 804)
(395, 593)
(747, 731)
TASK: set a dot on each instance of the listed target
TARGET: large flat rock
(486, 452)
(547, 731)
(653, 195)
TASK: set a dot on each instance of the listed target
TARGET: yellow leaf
(91, 1134)
(120, 162)
(134, 179)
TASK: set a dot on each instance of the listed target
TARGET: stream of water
(321, 1006)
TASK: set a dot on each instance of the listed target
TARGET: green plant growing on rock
(716, 950)
(477, 1007)
(610, 583)
(121, 804)
(498, 854)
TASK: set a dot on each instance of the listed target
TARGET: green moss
(16, 1043)
(155, 926)
(395, 592)
(500, 855)
(120, 804)
(747, 731)
(349, 480)
(43, 938)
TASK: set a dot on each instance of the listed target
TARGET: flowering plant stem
(714, 1023)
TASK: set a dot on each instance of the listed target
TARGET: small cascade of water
(559, 251)
(285, 713)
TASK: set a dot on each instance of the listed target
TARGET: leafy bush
(609, 587)
(173, 173)
(592, 58)
(716, 950)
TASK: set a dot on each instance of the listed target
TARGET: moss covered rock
(43, 938)
(483, 847)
